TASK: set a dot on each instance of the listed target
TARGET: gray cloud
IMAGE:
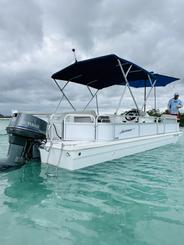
(73, 20)
(36, 38)
(20, 29)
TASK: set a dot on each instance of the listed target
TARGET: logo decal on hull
(126, 130)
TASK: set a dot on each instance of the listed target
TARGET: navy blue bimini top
(104, 71)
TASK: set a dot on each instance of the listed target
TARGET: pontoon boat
(78, 139)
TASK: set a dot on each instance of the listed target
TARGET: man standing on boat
(174, 105)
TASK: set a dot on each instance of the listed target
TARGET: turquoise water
(134, 200)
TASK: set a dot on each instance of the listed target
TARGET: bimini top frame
(109, 70)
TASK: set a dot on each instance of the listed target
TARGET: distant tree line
(181, 119)
(2, 116)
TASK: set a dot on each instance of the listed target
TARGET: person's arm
(180, 104)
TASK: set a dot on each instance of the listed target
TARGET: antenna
(73, 50)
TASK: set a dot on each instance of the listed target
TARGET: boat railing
(79, 126)
(113, 118)
(87, 126)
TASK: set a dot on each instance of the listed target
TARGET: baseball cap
(176, 94)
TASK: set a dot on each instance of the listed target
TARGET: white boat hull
(73, 156)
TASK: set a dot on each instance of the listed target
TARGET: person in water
(174, 105)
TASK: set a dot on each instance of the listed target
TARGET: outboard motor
(26, 134)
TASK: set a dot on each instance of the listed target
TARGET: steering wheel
(131, 115)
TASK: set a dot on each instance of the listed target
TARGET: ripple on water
(133, 200)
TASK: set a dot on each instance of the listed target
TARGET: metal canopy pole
(124, 90)
(127, 83)
(97, 107)
(155, 98)
(58, 104)
(90, 100)
(145, 96)
(61, 89)
(94, 95)
(152, 86)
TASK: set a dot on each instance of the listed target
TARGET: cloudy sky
(37, 36)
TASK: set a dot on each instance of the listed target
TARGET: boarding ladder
(55, 173)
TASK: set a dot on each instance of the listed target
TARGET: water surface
(134, 200)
